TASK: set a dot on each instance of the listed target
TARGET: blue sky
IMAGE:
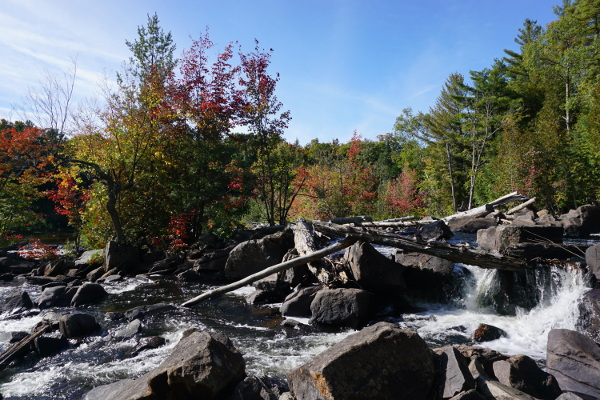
(345, 65)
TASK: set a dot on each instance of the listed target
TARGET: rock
(189, 276)
(58, 267)
(88, 293)
(510, 290)
(454, 373)
(168, 264)
(487, 333)
(522, 373)
(501, 238)
(341, 307)
(469, 395)
(56, 296)
(95, 274)
(132, 329)
(589, 314)
(427, 278)
(122, 257)
(77, 325)
(16, 304)
(573, 396)
(142, 312)
(381, 361)
(253, 388)
(6, 277)
(437, 230)
(526, 218)
(47, 346)
(493, 389)
(592, 259)
(470, 224)
(373, 271)
(298, 303)
(268, 290)
(255, 255)
(582, 221)
(90, 258)
(484, 356)
(203, 365)
(18, 336)
(148, 343)
(574, 360)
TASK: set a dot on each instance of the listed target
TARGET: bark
(460, 254)
(347, 242)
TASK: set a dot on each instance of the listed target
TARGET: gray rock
(121, 257)
(574, 360)
(341, 307)
(522, 373)
(298, 303)
(502, 238)
(492, 389)
(77, 325)
(582, 221)
(56, 296)
(381, 361)
(589, 314)
(255, 255)
(437, 230)
(89, 258)
(88, 293)
(487, 333)
(454, 373)
(592, 259)
(16, 304)
(470, 224)
(132, 329)
(142, 312)
(254, 388)
(203, 365)
(573, 396)
(373, 271)
(47, 346)
(58, 267)
(148, 343)
(469, 395)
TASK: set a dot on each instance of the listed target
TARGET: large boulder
(582, 221)
(510, 290)
(487, 333)
(55, 296)
(203, 365)
(88, 293)
(58, 267)
(437, 230)
(342, 307)
(592, 259)
(77, 325)
(522, 373)
(373, 271)
(493, 389)
(427, 277)
(454, 375)
(298, 303)
(499, 239)
(255, 255)
(16, 304)
(122, 257)
(470, 224)
(589, 314)
(574, 360)
(90, 258)
(381, 361)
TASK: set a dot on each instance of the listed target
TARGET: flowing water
(268, 348)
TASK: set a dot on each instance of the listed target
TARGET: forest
(184, 145)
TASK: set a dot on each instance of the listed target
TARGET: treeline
(182, 146)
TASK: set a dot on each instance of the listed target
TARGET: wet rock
(77, 325)
(582, 221)
(88, 293)
(16, 304)
(132, 329)
(47, 346)
(18, 336)
(57, 296)
(381, 361)
(342, 307)
(168, 264)
(298, 303)
(6, 277)
(589, 314)
(254, 388)
(574, 360)
(148, 343)
(592, 259)
(268, 290)
(510, 290)
(437, 230)
(427, 277)
(373, 271)
(203, 365)
(142, 312)
(487, 333)
(455, 377)
(522, 373)
(255, 255)
(189, 276)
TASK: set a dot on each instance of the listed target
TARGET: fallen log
(521, 206)
(459, 254)
(488, 208)
(11, 352)
(346, 242)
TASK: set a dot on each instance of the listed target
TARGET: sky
(344, 65)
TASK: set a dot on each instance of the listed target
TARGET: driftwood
(488, 208)
(304, 242)
(460, 254)
(11, 352)
(346, 242)
(521, 206)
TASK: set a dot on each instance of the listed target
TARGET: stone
(573, 396)
(493, 389)
(95, 274)
(148, 343)
(592, 259)
(122, 257)
(132, 329)
(589, 314)
(58, 267)
(254, 388)
(501, 238)
(56, 296)
(373, 271)
(381, 361)
(437, 230)
(47, 346)
(298, 303)
(522, 373)
(428, 278)
(16, 304)
(88, 293)
(142, 312)
(574, 360)
(487, 333)
(168, 264)
(484, 356)
(255, 255)
(203, 365)
(470, 224)
(90, 258)
(77, 325)
(582, 221)
(341, 307)
(510, 290)
(469, 395)
(454, 373)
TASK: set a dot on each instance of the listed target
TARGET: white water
(527, 331)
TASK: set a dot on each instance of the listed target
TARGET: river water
(257, 333)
